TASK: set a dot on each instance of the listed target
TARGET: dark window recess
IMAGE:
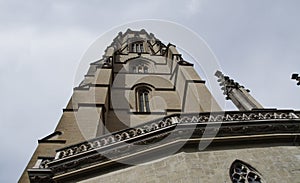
(137, 47)
(141, 68)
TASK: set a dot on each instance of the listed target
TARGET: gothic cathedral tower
(142, 114)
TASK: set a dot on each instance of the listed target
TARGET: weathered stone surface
(276, 164)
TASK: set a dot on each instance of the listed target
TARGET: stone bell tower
(141, 114)
(138, 79)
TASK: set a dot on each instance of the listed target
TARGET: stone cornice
(257, 126)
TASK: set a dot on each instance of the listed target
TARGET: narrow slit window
(145, 69)
(143, 100)
(134, 69)
(138, 48)
(133, 47)
(141, 47)
(140, 69)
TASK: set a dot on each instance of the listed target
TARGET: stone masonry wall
(276, 164)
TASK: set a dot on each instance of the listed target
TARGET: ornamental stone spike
(237, 93)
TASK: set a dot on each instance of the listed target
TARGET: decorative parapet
(232, 123)
(171, 122)
(41, 172)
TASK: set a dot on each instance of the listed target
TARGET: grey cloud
(256, 42)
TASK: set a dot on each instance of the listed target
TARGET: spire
(237, 93)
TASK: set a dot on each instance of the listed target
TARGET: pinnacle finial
(227, 84)
(236, 93)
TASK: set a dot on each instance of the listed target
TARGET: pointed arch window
(143, 99)
(241, 172)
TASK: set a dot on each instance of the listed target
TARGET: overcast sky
(256, 42)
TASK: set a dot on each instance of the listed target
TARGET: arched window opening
(140, 68)
(241, 172)
(145, 69)
(143, 100)
(137, 47)
(140, 65)
(134, 70)
(133, 47)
